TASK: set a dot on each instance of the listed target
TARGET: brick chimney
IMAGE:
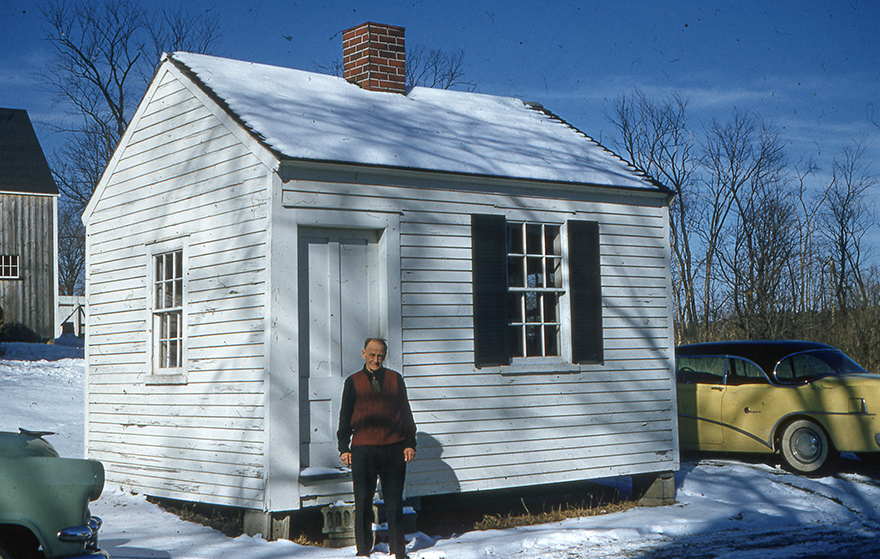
(374, 57)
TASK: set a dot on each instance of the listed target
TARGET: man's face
(374, 356)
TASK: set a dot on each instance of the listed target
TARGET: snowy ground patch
(726, 508)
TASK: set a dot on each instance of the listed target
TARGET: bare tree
(105, 54)
(741, 152)
(757, 257)
(654, 136)
(847, 217)
(807, 206)
(100, 70)
(424, 68)
(71, 250)
(436, 68)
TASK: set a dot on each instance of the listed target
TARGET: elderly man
(377, 437)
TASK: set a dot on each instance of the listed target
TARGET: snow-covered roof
(310, 116)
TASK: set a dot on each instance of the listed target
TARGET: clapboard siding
(181, 176)
(610, 419)
(546, 424)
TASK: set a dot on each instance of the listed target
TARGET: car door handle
(749, 410)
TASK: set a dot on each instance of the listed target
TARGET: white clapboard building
(256, 223)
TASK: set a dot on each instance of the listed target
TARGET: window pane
(533, 239)
(515, 310)
(515, 239)
(515, 272)
(700, 370)
(168, 264)
(533, 341)
(178, 293)
(550, 301)
(554, 275)
(551, 334)
(535, 272)
(516, 341)
(533, 308)
(178, 264)
(552, 240)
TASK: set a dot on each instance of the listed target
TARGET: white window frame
(160, 310)
(10, 266)
(549, 258)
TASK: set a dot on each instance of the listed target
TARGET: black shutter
(489, 254)
(585, 286)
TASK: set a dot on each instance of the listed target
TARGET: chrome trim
(75, 534)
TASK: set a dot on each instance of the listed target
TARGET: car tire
(7, 552)
(804, 447)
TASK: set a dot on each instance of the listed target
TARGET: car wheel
(7, 552)
(804, 446)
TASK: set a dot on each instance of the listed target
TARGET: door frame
(281, 453)
(387, 225)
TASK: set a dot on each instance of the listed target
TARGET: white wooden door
(338, 293)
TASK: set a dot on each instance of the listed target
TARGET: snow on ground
(725, 508)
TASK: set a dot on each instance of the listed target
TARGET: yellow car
(805, 400)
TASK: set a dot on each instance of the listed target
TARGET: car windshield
(800, 368)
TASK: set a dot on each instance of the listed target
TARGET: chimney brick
(374, 57)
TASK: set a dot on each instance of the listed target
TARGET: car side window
(700, 370)
(802, 367)
(741, 371)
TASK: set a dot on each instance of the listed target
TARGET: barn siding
(495, 427)
(27, 229)
(180, 174)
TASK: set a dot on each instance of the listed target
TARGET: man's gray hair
(380, 340)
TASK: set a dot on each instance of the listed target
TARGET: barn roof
(309, 116)
(23, 167)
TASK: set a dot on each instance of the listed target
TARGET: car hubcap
(806, 446)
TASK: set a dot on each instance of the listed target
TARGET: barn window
(10, 266)
(168, 295)
(536, 296)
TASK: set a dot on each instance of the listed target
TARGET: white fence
(70, 315)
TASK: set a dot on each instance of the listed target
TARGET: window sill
(539, 366)
(158, 379)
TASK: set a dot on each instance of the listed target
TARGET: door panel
(699, 393)
(338, 293)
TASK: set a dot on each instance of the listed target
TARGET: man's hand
(346, 458)
(409, 454)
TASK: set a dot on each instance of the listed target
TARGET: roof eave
(651, 187)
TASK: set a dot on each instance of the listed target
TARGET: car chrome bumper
(98, 554)
(87, 534)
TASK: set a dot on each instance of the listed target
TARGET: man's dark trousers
(386, 462)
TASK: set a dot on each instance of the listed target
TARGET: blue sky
(812, 69)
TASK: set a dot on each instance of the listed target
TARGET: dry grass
(439, 516)
(555, 514)
(228, 520)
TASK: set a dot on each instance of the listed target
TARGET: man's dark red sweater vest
(376, 419)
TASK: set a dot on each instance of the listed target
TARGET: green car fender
(47, 494)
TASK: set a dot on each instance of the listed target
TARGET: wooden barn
(256, 223)
(28, 227)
